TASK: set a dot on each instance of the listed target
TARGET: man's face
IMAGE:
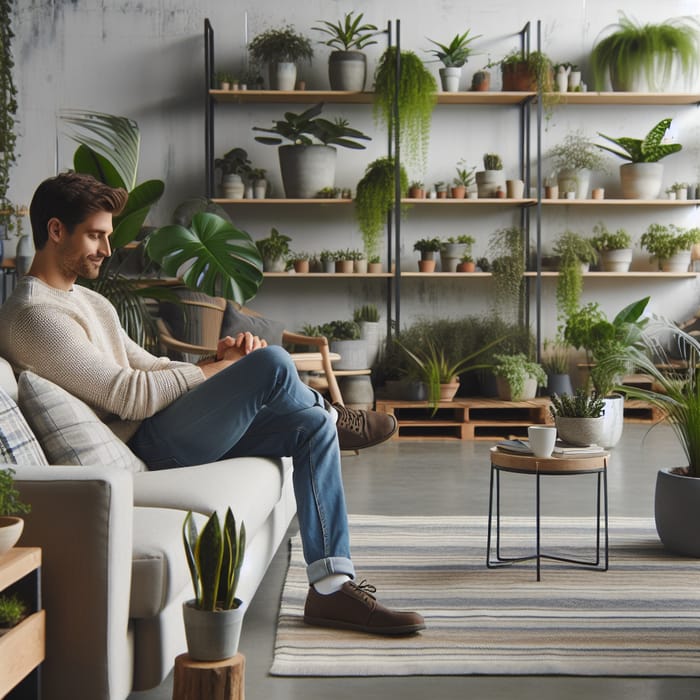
(81, 253)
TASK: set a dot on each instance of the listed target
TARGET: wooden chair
(204, 319)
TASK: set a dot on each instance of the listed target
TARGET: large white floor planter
(347, 70)
(306, 170)
(641, 180)
(614, 420)
(212, 635)
(677, 512)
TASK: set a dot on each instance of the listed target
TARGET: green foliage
(339, 330)
(275, 246)
(663, 242)
(649, 49)
(492, 161)
(375, 198)
(416, 100)
(507, 253)
(465, 176)
(577, 152)
(555, 357)
(308, 128)
(516, 369)
(280, 46)
(366, 312)
(234, 162)
(676, 393)
(214, 558)
(646, 150)
(10, 502)
(456, 53)
(8, 101)
(348, 33)
(211, 256)
(609, 345)
(603, 240)
(12, 609)
(427, 245)
(578, 405)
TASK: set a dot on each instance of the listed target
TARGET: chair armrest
(174, 344)
(318, 341)
(82, 518)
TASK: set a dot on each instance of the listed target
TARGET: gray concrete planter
(347, 70)
(212, 636)
(306, 170)
(677, 512)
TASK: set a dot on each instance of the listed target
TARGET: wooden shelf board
(625, 98)
(491, 201)
(22, 649)
(328, 275)
(18, 562)
(292, 96)
(260, 202)
(641, 274)
(620, 202)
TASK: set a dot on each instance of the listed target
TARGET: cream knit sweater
(75, 340)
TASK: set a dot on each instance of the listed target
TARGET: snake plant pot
(676, 512)
(641, 180)
(616, 260)
(353, 354)
(680, 262)
(10, 530)
(212, 635)
(306, 170)
(580, 431)
(347, 70)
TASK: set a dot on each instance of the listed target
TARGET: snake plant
(646, 150)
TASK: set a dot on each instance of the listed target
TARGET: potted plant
(274, 250)
(308, 161)
(526, 72)
(374, 265)
(11, 507)
(466, 263)
(347, 63)
(344, 339)
(491, 178)
(234, 166)
(414, 98)
(579, 417)
(281, 49)
(300, 261)
(375, 198)
(573, 160)
(641, 177)
(610, 348)
(257, 178)
(416, 190)
(453, 56)
(8, 105)
(343, 261)
(645, 57)
(452, 249)
(213, 618)
(676, 393)
(367, 317)
(575, 253)
(359, 261)
(517, 377)
(670, 245)
(12, 611)
(463, 180)
(427, 247)
(327, 260)
(678, 190)
(507, 254)
(615, 249)
(555, 363)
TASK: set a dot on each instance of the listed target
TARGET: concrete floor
(447, 478)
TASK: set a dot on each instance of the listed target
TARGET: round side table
(502, 461)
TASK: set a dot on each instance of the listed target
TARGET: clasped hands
(243, 344)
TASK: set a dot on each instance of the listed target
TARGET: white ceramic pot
(370, 333)
(641, 180)
(283, 76)
(353, 354)
(449, 77)
(616, 260)
(578, 181)
(580, 431)
(488, 182)
(505, 393)
(212, 636)
(232, 186)
(614, 420)
(680, 262)
(10, 531)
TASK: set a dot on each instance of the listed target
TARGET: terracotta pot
(448, 391)
(344, 266)
(466, 267)
(416, 193)
(459, 192)
(426, 265)
(301, 266)
(375, 268)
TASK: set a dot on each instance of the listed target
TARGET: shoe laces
(348, 418)
(365, 589)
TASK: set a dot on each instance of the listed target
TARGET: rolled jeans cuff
(330, 565)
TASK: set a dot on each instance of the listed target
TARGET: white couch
(114, 573)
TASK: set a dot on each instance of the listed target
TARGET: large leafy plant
(214, 558)
(646, 150)
(280, 45)
(348, 33)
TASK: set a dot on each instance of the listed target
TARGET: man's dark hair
(71, 198)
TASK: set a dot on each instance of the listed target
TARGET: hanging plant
(8, 104)
(416, 100)
(374, 199)
(507, 251)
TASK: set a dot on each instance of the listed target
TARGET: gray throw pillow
(68, 430)
(236, 321)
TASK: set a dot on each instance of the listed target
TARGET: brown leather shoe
(358, 429)
(354, 607)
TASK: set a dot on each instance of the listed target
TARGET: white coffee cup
(542, 439)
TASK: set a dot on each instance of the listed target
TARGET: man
(248, 400)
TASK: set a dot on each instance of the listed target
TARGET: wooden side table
(22, 648)
(209, 680)
(502, 461)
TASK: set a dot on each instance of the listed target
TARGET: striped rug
(640, 618)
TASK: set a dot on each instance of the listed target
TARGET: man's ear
(55, 228)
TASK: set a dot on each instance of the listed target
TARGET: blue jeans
(259, 407)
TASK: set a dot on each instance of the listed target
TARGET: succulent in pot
(453, 56)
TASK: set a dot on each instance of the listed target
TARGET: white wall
(145, 60)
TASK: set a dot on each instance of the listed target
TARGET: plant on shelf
(639, 57)
(12, 610)
(665, 242)
(520, 376)
(453, 56)
(463, 180)
(507, 254)
(491, 178)
(555, 363)
(574, 252)
(274, 250)
(214, 558)
(679, 189)
(11, 508)
(8, 104)
(416, 99)
(281, 46)
(375, 198)
(573, 159)
(615, 249)
(308, 161)
(427, 247)
(233, 163)
(525, 72)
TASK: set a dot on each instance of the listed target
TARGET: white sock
(331, 583)
(334, 413)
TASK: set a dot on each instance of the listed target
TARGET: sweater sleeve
(107, 373)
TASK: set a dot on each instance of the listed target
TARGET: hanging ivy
(8, 103)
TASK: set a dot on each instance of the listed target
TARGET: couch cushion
(68, 429)
(7, 378)
(236, 321)
(18, 445)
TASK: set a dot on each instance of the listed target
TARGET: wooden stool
(209, 680)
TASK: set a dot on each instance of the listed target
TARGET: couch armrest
(82, 518)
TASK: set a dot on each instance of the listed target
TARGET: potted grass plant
(213, 618)
(647, 57)
(453, 56)
(281, 49)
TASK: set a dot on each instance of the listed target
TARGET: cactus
(492, 161)
(646, 150)
(214, 558)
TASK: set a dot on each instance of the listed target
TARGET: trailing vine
(416, 98)
(8, 105)
(507, 251)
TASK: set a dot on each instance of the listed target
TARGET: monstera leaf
(211, 256)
